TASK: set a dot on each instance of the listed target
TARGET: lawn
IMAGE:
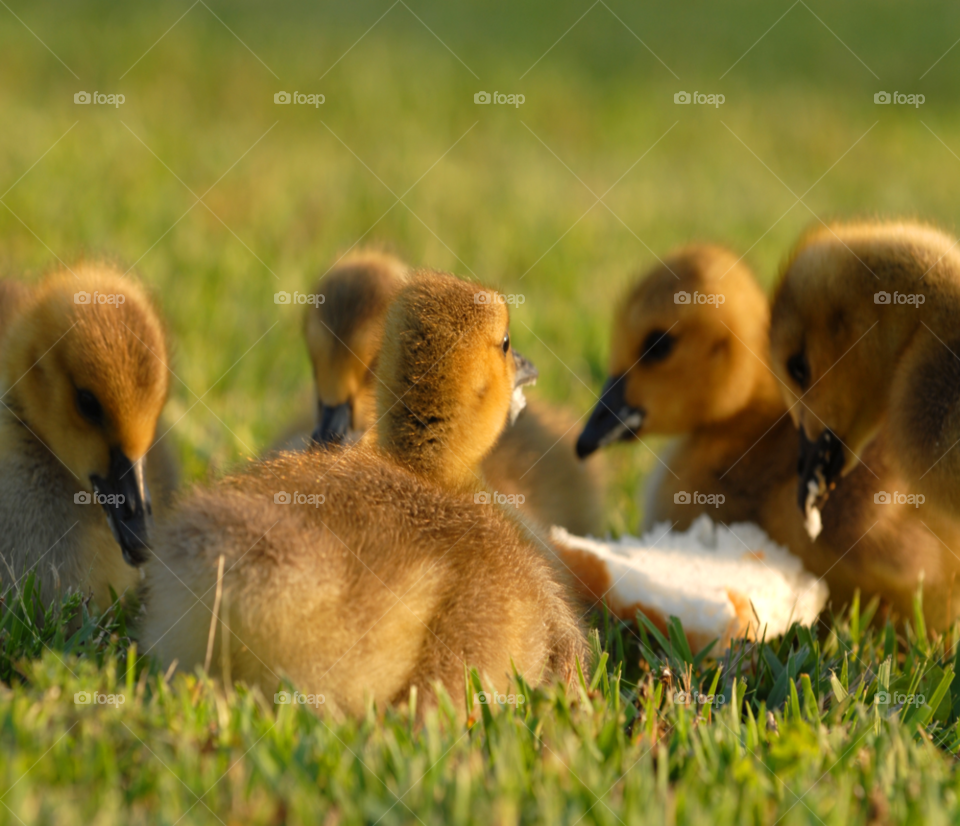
(217, 198)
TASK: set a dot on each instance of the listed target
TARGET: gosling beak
(820, 464)
(126, 501)
(334, 424)
(612, 419)
(526, 372)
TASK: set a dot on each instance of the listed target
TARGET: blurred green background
(504, 194)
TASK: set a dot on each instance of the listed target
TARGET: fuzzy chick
(364, 570)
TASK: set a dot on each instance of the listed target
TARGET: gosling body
(392, 576)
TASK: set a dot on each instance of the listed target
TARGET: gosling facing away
(382, 573)
(81, 387)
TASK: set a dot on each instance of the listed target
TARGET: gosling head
(83, 370)
(837, 333)
(450, 378)
(688, 347)
(343, 336)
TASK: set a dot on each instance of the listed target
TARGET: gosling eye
(656, 347)
(89, 407)
(798, 368)
(506, 343)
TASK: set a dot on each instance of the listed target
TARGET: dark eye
(89, 407)
(798, 369)
(656, 347)
(506, 342)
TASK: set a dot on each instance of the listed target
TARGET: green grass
(803, 735)
(490, 196)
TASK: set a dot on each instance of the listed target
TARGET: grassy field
(562, 199)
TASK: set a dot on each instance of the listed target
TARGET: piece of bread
(721, 582)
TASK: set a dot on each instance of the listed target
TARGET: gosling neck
(431, 449)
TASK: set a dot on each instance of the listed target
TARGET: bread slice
(721, 582)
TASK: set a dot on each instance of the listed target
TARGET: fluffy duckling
(361, 571)
(343, 338)
(873, 307)
(690, 359)
(864, 341)
(532, 461)
(82, 382)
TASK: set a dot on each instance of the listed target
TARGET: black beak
(818, 468)
(526, 372)
(334, 424)
(611, 420)
(126, 500)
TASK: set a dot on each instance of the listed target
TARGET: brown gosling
(362, 571)
(81, 388)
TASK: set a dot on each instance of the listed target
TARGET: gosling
(363, 571)
(82, 383)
